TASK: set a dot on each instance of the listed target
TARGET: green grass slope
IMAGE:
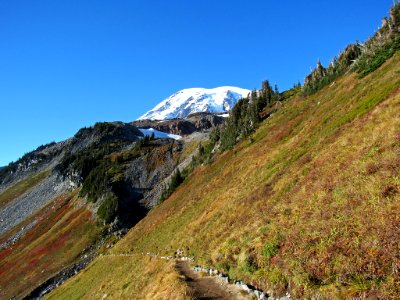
(310, 204)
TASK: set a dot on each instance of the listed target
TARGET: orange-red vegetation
(58, 237)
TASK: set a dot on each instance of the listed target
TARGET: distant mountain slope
(110, 169)
(194, 100)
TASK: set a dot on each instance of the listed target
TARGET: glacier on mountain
(194, 100)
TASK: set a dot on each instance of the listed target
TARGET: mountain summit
(194, 100)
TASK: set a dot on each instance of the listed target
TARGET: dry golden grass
(144, 278)
(312, 205)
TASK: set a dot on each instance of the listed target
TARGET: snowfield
(159, 134)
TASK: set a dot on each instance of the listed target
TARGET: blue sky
(69, 64)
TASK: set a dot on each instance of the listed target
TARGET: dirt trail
(207, 288)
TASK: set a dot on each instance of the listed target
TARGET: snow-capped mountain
(189, 101)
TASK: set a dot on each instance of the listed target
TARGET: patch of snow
(224, 115)
(159, 134)
(194, 100)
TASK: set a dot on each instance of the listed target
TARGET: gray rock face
(25, 205)
(153, 180)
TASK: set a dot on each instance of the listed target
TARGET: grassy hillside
(145, 278)
(61, 232)
(309, 204)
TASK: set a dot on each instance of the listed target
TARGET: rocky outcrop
(103, 133)
(44, 157)
(143, 180)
(205, 121)
(194, 123)
(176, 126)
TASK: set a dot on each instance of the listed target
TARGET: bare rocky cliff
(198, 122)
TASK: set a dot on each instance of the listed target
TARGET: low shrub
(176, 181)
(270, 249)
